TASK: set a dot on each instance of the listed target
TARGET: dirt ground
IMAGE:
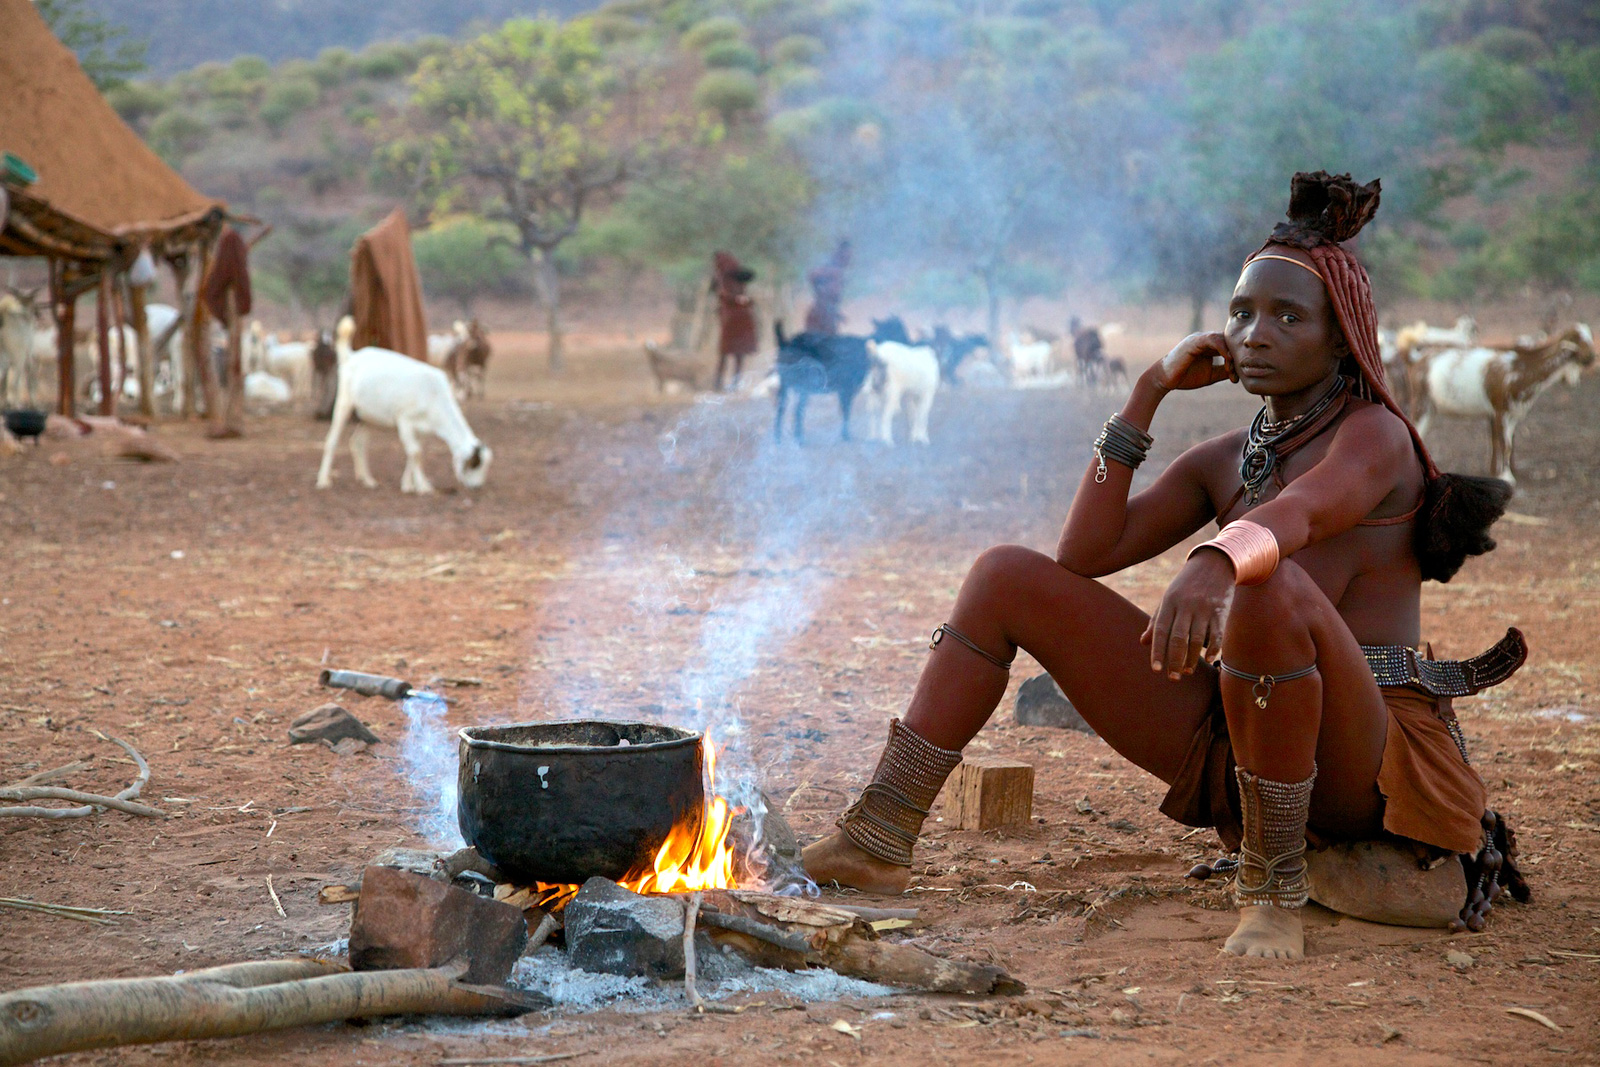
(635, 555)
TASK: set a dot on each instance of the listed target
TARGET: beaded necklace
(1268, 442)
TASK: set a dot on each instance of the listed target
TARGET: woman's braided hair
(1326, 210)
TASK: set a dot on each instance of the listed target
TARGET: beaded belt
(1400, 665)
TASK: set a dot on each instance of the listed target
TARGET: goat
(267, 390)
(671, 369)
(818, 363)
(324, 376)
(1089, 350)
(951, 350)
(901, 372)
(892, 328)
(1501, 384)
(1029, 359)
(385, 388)
(19, 369)
(468, 362)
(1419, 335)
(440, 345)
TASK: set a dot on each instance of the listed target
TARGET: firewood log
(246, 998)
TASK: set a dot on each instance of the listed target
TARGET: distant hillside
(185, 33)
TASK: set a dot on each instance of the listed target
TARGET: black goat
(811, 363)
(892, 328)
(951, 350)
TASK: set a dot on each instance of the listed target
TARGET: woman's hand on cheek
(1199, 360)
(1188, 625)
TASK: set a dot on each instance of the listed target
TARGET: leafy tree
(464, 258)
(105, 51)
(521, 126)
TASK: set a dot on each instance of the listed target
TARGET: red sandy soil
(583, 577)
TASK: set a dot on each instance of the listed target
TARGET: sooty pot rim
(467, 734)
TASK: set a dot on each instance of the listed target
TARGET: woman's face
(1282, 333)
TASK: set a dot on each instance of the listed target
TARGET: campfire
(697, 854)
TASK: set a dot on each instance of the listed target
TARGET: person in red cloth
(736, 314)
(827, 287)
(1278, 688)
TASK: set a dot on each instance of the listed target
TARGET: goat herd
(896, 372)
(1435, 371)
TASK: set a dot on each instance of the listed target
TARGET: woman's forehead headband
(1288, 259)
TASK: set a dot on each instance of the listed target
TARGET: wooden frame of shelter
(101, 196)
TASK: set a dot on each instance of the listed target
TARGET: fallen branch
(470, 1061)
(64, 911)
(54, 792)
(230, 1001)
(44, 777)
(90, 802)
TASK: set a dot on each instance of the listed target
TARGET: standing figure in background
(735, 312)
(827, 287)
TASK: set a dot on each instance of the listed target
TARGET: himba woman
(1278, 689)
(736, 318)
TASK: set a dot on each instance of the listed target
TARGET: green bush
(795, 84)
(229, 112)
(334, 66)
(177, 133)
(797, 50)
(731, 55)
(287, 98)
(137, 101)
(250, 69)
(467, 258)
(385, 61)
(613, 28)
(707, 33)
(727, 92)
(1511, 45)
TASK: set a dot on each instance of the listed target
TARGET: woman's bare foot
(1268, 932)
(836, 859)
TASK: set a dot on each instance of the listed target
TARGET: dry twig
(90, 802)
(64, 911)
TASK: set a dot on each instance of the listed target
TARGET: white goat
(384, 388)
(19, 369)
(903, 372)
(1500, 385)
(440, 345)
(1419, 335)
(1029, 359)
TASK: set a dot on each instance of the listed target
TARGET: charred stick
(761, 931)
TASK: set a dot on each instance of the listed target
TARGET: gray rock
(612, 930)
(329, 723)
(1040, 702)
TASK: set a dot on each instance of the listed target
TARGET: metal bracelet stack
(1122, 442)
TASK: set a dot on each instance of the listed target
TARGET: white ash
(572, 990)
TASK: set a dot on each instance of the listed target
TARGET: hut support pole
(181, 357)
(199, 342)
(102, 333)
(147, 359)
(233, 420)
(119, 319)
(64, 304)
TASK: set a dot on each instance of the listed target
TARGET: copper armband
(1252, 548)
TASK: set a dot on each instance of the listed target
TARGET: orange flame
(686, 861)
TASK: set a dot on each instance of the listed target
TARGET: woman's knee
(1004, 571)
(1279, 611)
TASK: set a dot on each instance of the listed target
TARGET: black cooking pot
(565, 801)
(25, 422)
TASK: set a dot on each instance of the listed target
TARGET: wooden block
(987, 793)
